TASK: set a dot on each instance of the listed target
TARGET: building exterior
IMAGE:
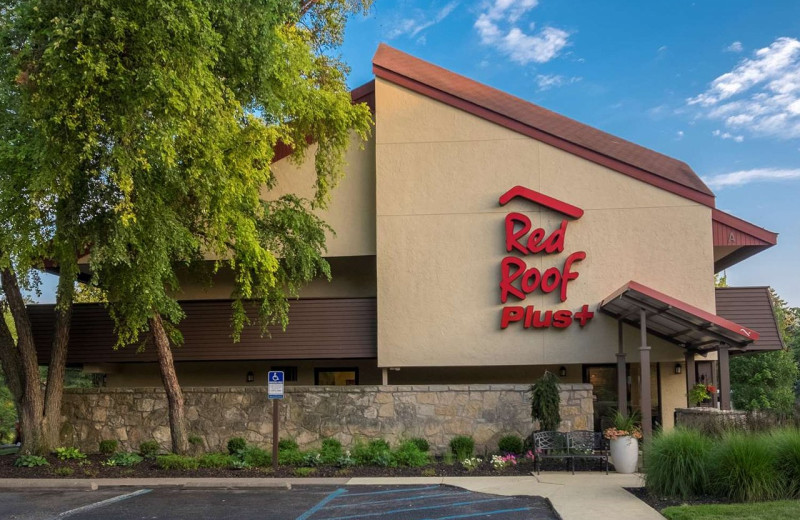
(483, 239)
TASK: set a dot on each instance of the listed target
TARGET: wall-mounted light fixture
(250, 377)
(562, 371)
(678, 368)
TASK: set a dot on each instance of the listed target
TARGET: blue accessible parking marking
(425, 503)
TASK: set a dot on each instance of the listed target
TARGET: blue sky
(713, 83)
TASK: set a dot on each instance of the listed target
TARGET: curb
(185, 483)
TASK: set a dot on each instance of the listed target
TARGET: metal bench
(579, 444)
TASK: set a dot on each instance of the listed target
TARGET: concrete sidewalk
(584, 496)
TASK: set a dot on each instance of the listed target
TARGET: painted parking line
(401, 499)
(321, 504)
(102, 503)
(404, 490)
(420, 508)
(487, 513)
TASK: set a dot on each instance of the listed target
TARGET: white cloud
(727, 135)
(662, 48)
(548, 81)
(760, 95)
(741, 177)
(420, 21)
(734, 47)
(679, 135)
(497, 27)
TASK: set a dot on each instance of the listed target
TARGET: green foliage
(256, 457)
(545, 402)
(236, 445)
(214, 460)
(124, 459)
(783, 510)
(421, 443)
(764, 381)
(786, 444)
(8, 413)
(64, 471)
(743, 468)
(108, 446)
(376, 452)
(30, 461)
(70, 454)
(698, 393)
(173, 461)
(304, 472)
(288, 444)
(462, 446)
(409, 454)
(510, 444)
(195, 440)
(149, 449)
(677, 463)
(449, 458)
(331, 451)
(290, 456)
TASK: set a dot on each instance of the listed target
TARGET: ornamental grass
(677, 463)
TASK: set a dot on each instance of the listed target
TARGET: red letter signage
(517, 280)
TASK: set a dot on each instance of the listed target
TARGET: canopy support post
(644, 386)
(691, 374)
(724, 377)
(622, 386)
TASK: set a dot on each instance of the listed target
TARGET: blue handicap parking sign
(275, 384)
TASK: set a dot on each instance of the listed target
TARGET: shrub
(312, 458)
(236, 445)
(448, 458)
(149, 449)
(422, 444)
(331, 451)
(69, 454)
(677, 464)
(30, 461)
(545, 402)
(195, 440)
(409, 454)
(376, 453)
(64, 471)
(744, 468)
(123, 458)
(288, 444)
(256, 457)
(304, 472)
(462, 446)
(214, 460)
(471, 463)
(290, 456)
(510, 444)
(173, 461)
(108, 447)
(786, 444)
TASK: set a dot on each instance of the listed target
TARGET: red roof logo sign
(517, 280)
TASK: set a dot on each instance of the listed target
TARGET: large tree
(154, 125)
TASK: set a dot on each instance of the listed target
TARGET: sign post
(275, 392)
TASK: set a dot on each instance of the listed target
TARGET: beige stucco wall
(440, 241)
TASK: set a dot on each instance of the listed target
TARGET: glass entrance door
(603, 379)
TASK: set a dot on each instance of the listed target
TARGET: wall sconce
(562, 371)
(250, 377)
(678, 368)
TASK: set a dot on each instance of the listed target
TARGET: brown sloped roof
(542, 124)
(752, 307)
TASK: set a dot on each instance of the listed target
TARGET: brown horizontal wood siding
(751, 307)
(727, 236)
(340, 328)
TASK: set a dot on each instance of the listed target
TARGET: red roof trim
(768, 237)
(384, 70)
(541, 199)
(746, 333)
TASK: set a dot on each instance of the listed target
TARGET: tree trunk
(32, 402)
(177, 416)
(51, 421)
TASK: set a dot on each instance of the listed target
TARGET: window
(336, 376)
(289, 373)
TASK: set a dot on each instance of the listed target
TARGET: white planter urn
(625, 454)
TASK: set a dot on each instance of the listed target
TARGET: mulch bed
(93, 468)
(660, 504)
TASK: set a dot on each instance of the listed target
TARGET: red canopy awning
(674, 320)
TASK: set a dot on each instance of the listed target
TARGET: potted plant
(698, 394)
(624, 437)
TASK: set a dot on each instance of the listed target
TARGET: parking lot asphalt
(414, 502)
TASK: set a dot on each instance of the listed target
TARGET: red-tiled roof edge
(686, 307)
(760, 233)
(458, 91)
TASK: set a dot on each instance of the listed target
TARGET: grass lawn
(783, 510)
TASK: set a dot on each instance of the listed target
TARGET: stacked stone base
(309, 414)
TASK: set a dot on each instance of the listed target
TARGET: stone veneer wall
(311, 413)
(710, 419)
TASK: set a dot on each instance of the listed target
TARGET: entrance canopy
(673, 320)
